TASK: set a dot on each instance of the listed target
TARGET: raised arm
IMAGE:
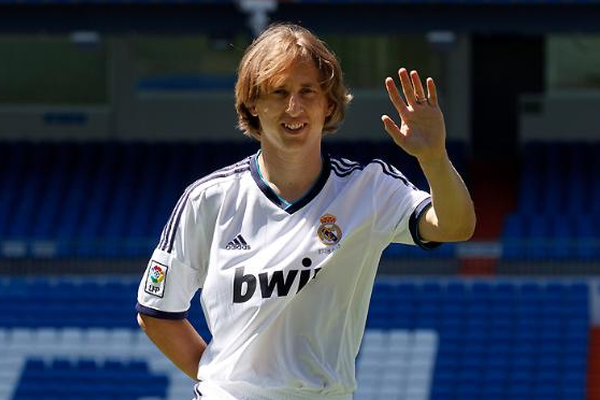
(422, 134)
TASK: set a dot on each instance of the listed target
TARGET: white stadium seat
(396, 365)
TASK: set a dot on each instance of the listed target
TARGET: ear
(252, 110)
(330, 109)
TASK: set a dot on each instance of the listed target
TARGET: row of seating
(560, 179)
(86, 379)
(558, 204)
(427, 338)
(49, 303)
(396, 364)
(112, 199)
(551, 237)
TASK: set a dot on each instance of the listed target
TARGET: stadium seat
(548, 224)
(425, 338)
(101, 200)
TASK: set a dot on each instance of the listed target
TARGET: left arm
(422, 134)
(452, 217)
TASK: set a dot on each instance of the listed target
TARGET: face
(292, 112)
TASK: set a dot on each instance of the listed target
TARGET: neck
(290, 174)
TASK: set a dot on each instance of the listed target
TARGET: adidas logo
(238, 244)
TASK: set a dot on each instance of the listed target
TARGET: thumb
(392, 129)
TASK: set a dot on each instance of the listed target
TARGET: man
(285, 244)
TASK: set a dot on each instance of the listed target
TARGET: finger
(432, 90)
(394, 95)
(419, 91)
(407, 87)
(392, 129)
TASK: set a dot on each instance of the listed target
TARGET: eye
(279, 92)
(308, 90)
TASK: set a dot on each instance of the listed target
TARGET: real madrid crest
(329, 232)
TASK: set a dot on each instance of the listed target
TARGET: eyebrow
(303, 86)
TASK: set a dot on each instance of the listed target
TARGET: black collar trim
(304, 200)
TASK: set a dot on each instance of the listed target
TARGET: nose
(294, 105)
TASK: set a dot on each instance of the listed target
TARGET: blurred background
(109, 109)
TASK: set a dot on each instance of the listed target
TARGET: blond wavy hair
(271, 53)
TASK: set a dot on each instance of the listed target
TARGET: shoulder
(221, 177)
(343, 167)
(375, 168)
(391, 172)
(188, 200)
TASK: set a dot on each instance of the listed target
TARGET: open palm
(422, 133)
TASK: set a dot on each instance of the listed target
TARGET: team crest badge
(155, 282)
(329, 232)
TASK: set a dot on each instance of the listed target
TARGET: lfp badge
(157, 277)
(156, 274)
(329, 232)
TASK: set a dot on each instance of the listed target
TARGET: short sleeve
(176, 269)
(413, 225)
(398, 207)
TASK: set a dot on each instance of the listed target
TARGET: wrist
(434, 160)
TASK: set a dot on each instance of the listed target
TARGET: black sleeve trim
(413, 225)
(160, 314)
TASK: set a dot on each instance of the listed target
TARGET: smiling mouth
(294, 127)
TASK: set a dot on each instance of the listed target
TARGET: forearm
(453, 211)
(176, 339)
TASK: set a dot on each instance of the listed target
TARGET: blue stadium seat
(102, 200)
(538, 350)
(558, 226)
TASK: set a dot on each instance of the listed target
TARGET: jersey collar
(288, 207)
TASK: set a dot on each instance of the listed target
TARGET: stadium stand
(433, 338)
(558, 208)
(91, 200)
(86, 379)
(73, 338)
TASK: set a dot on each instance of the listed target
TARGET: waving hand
(422, 133)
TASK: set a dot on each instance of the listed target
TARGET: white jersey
(285, 287)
